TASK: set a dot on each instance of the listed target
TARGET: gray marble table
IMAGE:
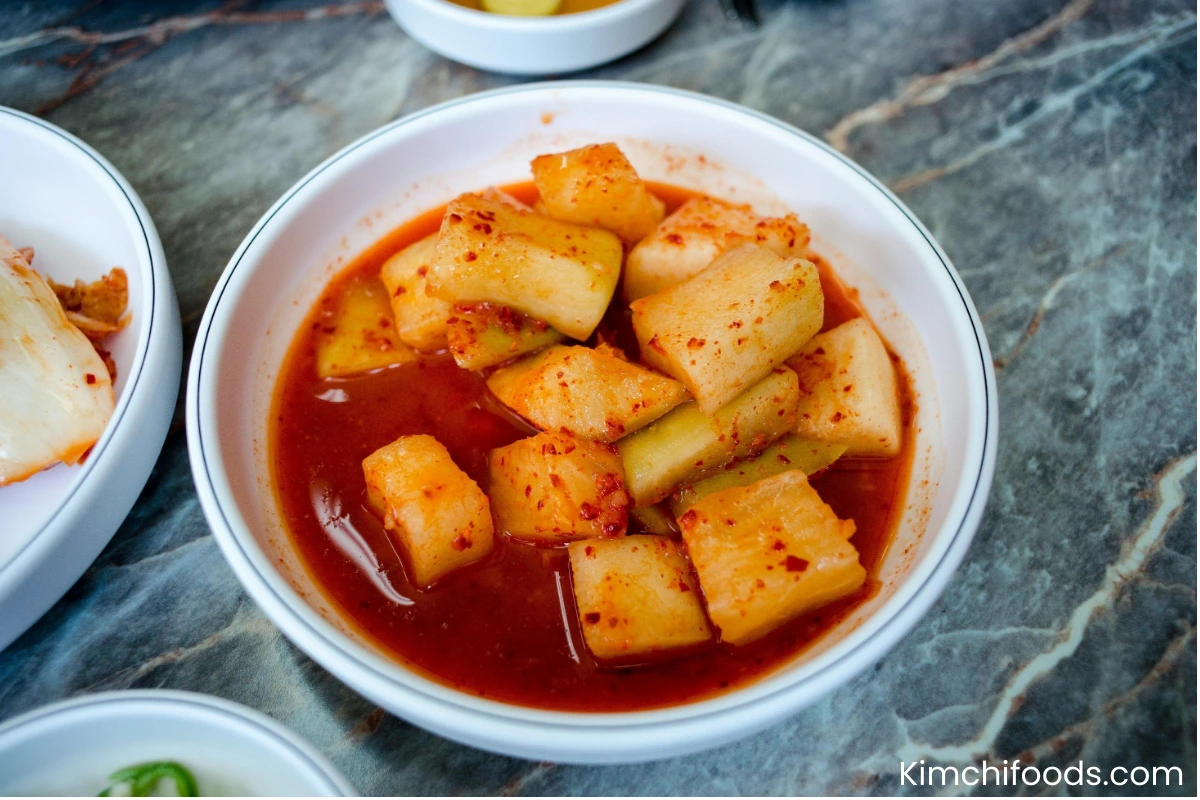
(1051, 148)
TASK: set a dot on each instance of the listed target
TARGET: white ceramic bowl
(534, 45)
(70, 748)
(82, 218)
(385, 178)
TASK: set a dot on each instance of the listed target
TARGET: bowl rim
(242, 716)
(282, 603)
(152, 263)
(553, 24)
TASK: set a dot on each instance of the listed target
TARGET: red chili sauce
(506, 627)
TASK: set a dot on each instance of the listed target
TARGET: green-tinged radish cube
(654, 519)
(356, 332)
(687, 444)
(484, 335)
(791, 452)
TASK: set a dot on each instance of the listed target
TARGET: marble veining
(1051, 148)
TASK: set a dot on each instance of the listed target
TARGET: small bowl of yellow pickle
(534, 37)
(529, 8)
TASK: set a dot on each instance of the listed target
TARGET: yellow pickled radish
(522, 8)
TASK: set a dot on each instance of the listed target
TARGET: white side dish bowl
(70, 748)
(906, 282)
(534, 45)
(82, 218)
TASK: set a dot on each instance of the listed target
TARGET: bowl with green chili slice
(144, 780)
(145, 743)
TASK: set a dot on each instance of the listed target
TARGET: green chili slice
(142, 778)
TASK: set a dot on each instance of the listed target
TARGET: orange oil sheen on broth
(496, 628)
